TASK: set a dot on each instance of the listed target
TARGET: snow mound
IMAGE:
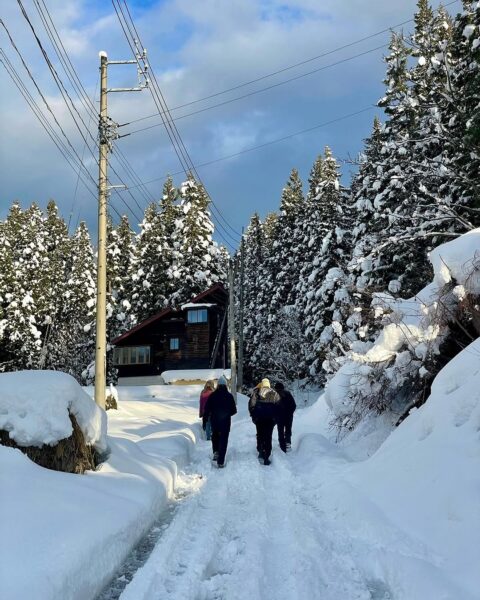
(432, 463)
(414, 331)
(194, 375)
(453, 261)
(35, 407)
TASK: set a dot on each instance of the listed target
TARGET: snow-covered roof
(194, 305)
(35, 407)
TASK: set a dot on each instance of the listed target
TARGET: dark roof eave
(165, 311)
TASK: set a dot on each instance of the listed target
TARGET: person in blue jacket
(220, 408)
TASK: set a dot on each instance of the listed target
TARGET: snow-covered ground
(402, 525)
(330, 522)
(64, 535)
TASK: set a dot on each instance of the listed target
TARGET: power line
(288, 68)
(171, 129)
(76, 83)
(64, 150)
(253, 93)
(183, 149)
(63, 91)
(271, 142)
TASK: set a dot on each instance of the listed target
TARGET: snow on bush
(35, 407)
(394, 373)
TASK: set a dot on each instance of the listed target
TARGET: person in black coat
(264, 408)
(220, 408)
(288, 407)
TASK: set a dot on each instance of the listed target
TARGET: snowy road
(294, 530)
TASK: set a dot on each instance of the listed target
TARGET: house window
(198, 316)
(131, 355)
(174, 344)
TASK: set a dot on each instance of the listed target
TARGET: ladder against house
(218, 341)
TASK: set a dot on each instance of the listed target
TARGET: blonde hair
(209, 385)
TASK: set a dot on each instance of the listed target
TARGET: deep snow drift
(68, 533)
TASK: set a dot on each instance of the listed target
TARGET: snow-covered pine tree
(80, 312)
(149, 274)
(120, 257)
(464, 127)
(322, 237)
(55, 326)
(170, 214)
(198, 263)
(23, 310)
(285, 246)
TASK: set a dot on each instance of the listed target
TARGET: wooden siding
(196, 340)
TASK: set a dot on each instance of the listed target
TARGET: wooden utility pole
(107, 131)
(231, 330)
(101, 331)
(240, 314)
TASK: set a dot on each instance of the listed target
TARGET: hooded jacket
(220, 407)
(264, 403)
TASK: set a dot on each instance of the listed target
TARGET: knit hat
(222, 381)
(265, 382)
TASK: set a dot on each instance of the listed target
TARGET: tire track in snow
(248, 534)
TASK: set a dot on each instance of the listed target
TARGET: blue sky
(198, 48)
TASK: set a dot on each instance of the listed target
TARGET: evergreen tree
(322, 237)
(120, 255)
(464, 126)
(197, 264)
(254, 240)
(149, 278)
(284, 256)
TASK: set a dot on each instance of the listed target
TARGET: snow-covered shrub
(419, 336)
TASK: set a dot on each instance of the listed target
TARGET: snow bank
(35, 407)
(408, 496)
(414, 330)
(426, 476)
(67, 534)
(194, 375)
(454, 261)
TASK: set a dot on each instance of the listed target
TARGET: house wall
(196, 343)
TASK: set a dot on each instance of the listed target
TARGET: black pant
(220, 435)
(285, 430)
(264, 436)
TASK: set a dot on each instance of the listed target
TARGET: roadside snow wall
(388, 375)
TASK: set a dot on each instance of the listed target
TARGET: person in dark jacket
(264, 408)
(219, 408)
(288, 407)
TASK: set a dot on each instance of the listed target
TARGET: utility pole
(240, 314)
(107, 131)
(231, 330)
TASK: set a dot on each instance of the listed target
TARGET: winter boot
(267, 461)
(220, 465)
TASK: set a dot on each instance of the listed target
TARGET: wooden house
(193, 336)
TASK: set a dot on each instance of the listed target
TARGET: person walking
(264, 408)
(205, 394)
(287, 408)
(220, 408)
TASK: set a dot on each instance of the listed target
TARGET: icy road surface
(294, 530)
